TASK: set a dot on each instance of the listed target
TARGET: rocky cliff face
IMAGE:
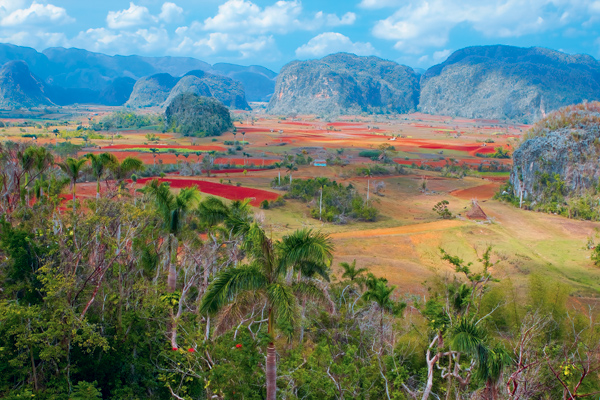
(507, 82)
(161, 89)
(20, 88)
(565, 145)
(344, 84)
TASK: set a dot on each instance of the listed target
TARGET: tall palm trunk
(98, 187)
(321, 206)
(271, 372)
(172, 246)
(279, 177)
(271, 363)
(74, 197)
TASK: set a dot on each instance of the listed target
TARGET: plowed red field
(227, 191)
(162, 146)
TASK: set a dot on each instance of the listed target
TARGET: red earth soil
(227, 191)
(483, 192)
(441, 163)
(345, 124)
(162, 146)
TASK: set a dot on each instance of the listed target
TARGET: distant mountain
(81, 76)
(20, 88)
(160, 89)
(505, 82)
(344, 84)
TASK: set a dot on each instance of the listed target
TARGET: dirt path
(400, 230)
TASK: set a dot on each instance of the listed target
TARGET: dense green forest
(127, 119)
(197, 116)
(164, 295)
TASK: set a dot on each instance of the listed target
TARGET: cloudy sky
(418, 33)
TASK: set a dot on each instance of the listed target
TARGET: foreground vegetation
(161, 294)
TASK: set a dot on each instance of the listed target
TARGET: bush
(264, 204)
(369, 153)
(340, 203)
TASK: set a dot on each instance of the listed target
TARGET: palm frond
(310, 290)
(305, 244)
(282, 300)
(228, 284)
(467, 337)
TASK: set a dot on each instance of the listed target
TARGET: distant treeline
(127, 120)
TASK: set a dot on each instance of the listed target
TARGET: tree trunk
(271, 372)
(302, 321)
(381, 330)
(279, 177)
(368, 189)
(98, 187)
(74, 196)
(172, 273)
(321, 206)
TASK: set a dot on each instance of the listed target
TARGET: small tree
(442, 209)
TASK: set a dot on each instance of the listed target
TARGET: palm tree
(380, 293)
(321, 182)
(99, 165)
(173, 210)
(154, 151)
(264, 276)
(123, 169)
(73, 167)
(278, 165)
(290, 168)
(351, 272)
(367, 172)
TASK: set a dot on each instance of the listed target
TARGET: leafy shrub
(369, 153)
(340, 203)
(441, 209)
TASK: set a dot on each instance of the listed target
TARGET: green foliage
(441, 208)
(197, 116)
(127, 119)
(369, 153)
(340, 203)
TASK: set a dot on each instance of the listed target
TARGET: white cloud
(35, 39)
(36, 13)
(245, 47)
(333, 20)
(427, 23)
(281, 17)
(141, 41)
(170, 12)
(376, 4)
(133, 16)
(333, 42)
(440, 56)
(243, 15)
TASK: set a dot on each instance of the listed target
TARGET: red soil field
(483, 192)
(227, 191)
(162, 146)
(345, 124)
(297, 123)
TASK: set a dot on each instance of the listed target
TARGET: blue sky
(419, 33)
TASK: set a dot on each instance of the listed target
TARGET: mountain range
(79, 76)
(500, 82)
